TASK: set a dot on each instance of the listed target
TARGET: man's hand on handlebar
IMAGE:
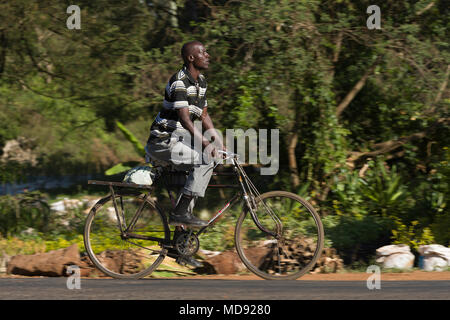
(218, 152)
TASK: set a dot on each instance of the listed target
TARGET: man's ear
(191, 58)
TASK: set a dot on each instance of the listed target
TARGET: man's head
(194, 53)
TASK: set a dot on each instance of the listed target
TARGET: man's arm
(208, 125)
(185, 120)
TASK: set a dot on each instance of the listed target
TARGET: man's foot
(190, 261)
(182, 215)
(183, 260)
(187, 219)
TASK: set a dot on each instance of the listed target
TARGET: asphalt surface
(201, 290)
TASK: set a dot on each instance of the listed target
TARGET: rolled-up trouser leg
(198, 180)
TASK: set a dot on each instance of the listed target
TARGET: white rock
(58, 206)
(209, 253)
(111, 213)
(65, 204)
(4, 259)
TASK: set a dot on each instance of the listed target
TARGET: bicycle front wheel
(296, 241)
(119, 254)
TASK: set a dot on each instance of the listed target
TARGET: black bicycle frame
(220, 212)
(242, 194)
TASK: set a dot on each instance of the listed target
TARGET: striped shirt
(182, 91)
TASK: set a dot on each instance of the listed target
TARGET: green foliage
(302, 191)
(348, 198)
(31, 245)
(357, 237)
(130, 137)
(410, 235)
(221, 236)
(441, 228)
(387, 194)
(119, 168)
(14, 171)
(10, 214)
(437, 199)
(61, 242)
(138, 147)
(18, 213)
(14, 246)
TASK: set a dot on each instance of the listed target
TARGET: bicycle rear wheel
(298, 243)
(116, 254)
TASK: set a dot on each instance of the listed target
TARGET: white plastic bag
(395, 256)
(139, 175)
(399, 261)
(392, 249)
(435, 257)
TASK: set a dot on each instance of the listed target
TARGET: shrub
(13, 246)
(28, 210)
(60, 242)
(346, 195)
(384, 190)
(357, 238)
(410, 235)
(441, 228)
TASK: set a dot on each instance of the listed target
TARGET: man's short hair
(187, 49)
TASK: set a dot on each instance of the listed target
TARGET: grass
(397, 270)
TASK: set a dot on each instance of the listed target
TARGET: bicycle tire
(100, 220)
(258, 252)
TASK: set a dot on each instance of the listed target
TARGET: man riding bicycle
(173, 136)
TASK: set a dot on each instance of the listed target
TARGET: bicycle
(278, 234)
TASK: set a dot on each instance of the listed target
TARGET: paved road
(182, 289)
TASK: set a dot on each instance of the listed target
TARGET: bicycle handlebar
(228, 154)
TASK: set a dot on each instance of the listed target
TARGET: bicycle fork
(252, 206)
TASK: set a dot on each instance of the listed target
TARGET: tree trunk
(354, 91)
(295, 180)
(3, 44)
(337, 51)
(443, 86)
(382, 148)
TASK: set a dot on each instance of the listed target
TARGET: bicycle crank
(187, 243)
